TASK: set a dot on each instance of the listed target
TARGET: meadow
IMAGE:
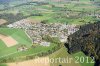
(22, 39)
(62, 53)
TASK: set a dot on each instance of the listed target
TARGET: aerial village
(36, 31)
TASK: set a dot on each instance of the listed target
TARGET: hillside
(87, 39)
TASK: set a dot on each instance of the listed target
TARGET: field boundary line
(10, 54)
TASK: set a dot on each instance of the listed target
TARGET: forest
(87, 40)
(10, 18)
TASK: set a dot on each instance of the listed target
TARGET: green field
(19, 35)
(3, 65)
(62, 53)
(57, 14)
(87, 62)
(53, 13)
(22, 39)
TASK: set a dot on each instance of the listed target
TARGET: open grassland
(62, 53)
(83, 59)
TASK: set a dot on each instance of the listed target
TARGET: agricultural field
(8, 46)
(18, 38)
(14, 40)
(53, 12)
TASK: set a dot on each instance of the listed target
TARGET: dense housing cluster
(36, 31)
